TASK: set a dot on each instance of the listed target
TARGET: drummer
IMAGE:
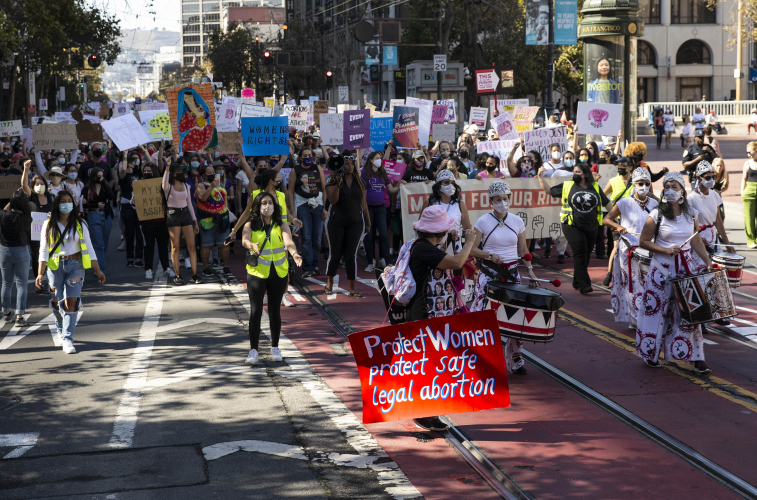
(671, 224)
(504, 242)
(633, 212)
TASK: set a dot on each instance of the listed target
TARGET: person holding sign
(66, 256)
(213, 215)
(99, 212)
(446, 192)
(492, 169)
(155, 230)
(128, 172)
(180, 219)
(379, 187)
(14, 255)
(39, 195)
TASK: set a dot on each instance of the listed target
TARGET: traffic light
(329, 76)
(267, 58)
(93, 61)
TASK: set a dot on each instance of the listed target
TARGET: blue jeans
(312, 230)
(378, 223)
(14, 263)
(99, 231)
(65, 282)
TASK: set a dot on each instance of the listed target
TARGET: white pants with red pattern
(627, 288)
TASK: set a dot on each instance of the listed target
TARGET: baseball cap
(699, 132)
(418, 154)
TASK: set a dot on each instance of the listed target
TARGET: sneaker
(286, 302)
(586, 290)
(701, 368)
(122, 246)
(381, 264)
(276, 354)
(196, 280)
(722, 321)
(148, 274)
(568, 254)
(207, 272)
(252, 358)
(752, 245)
(316, 273)
(139, 263)
(561, 259)
(170, 273)
(216, 262)
(68, 346)
(607, 280)
(547, 253)
(307, 274)
(227, 271)
(130, 263)
(369, 268)
(188, 263)
(178, 280)
(653, 364)
(9, 318)
(21, 322)
(430, 424)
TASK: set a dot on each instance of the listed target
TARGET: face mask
(210, 178)
(621, 171)
(376, 163)
(577, 178)
(278, 184)
(449, 190)
(602, 161)
(322, 160)
(136, 161)
(556, 155)
(147, 175)
(526, 167)
(61, 161)
(672, 196)
(73, 176)
(266, 210)
(195, 164)
(583, 159)
(179, 176)
(463, 154)
(445, 154)
(66, 208)
(642, 190)
(185, 168)
(501, 206)
(708, 184)
(307, 161)
(39, 189)
(273, 162)
(570, 162)
(419, 163)
(97, 153)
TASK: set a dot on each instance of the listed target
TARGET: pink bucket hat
(434, 220)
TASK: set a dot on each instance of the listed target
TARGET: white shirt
(707, 206)
(687, 130)
(633, 217)
(712, 119)
(502, 241)
(670, 125)
(454, 213)
(550, 167)
(675, 232)
(242, 176)
(754, 118)
(70, 244)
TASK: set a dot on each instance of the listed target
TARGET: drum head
(533, 298)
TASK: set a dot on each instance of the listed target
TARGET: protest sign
(193, 117)
(451, 114)
(125, 131)
(523, 118)
(500, 148)
(444, 132)
(332, 129)
(11, 128)
(381, 132)
(54, 136)
(255, 111)
(405, 131)
(606, 172)
(395, 102)
(332, 110)
(372, 108)
(248, 96)
(104, 111)
(228, 142)
(269, 102)
(226, 118)
(425, 108)
(64, 117)
(38, 218)
(156, 123)
(503, 124)
(228, 99)
(438, 114)
(148, 199)
(319, 108)
(357, 129)
(478, 117)
(394, 170)
(297, 116)
(541, 139)
(436, 366)
(539, 211)
(344, 94)
(9, 184)
(28, 135)
(265, 136)
(596, 118)
(121, 109)
(508, 105)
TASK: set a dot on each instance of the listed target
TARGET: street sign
(344, 94)
(43, 104)
(440, 62)
(31, 109)
(487, 81)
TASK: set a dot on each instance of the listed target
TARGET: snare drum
(704, 297)
(644, 259)
(733, 265)
(524, 313)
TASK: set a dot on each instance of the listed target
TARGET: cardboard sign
(381, 132)
(444, 132)
(125, 131)
(478, 117)
(357, 129)
(541, 139)
(425, 108)
(148, 199)
(501, 149)
(193, 116)
(297, 116)
(332, 129)
(228, 142)
(595, 118)
(319, 108)
(265, 136)
(523, 118)
(395, 102)
(38, 219)
(156, 123)
(11, 128)
(256, 111)
(226, 118)
(55, 136)
(451, 114)
(504, 126)
(405, 131)
(394, 170)
(437, 366)
(104, 111)
(9, 184)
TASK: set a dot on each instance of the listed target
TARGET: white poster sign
(395, 102)
(226, 118)
(38, 218)
(503, 124)
(255, 112)
(508, 105)
(156, 123)
(478, 117)
(11, 128)
(43, 104)
(444, 132)
(500, 149)
(594, 118)
(541, 139)
(126, 132)
(332, 129)
(344, 94)
(64, 117)
(297, 115)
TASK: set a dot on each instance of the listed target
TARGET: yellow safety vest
(54, 259)
(274, 253)
(282, 201)
(566, 212)
(618, 188)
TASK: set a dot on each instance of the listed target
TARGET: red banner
(438, 366)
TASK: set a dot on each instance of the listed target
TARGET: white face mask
(556, 155)
(708, 184)
(501, 206)
(377, 162)
(266, 210)
(642, 190)
(672, 196)
(39, 189)
(449, 190)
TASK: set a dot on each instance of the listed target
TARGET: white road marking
(745, 330)
(295, 294)
(196, 321)
(192, 288)
(126, 416)
(336, 289)
(737, 320)
(199, 372)
(708, 341)
(371, 283)
(219, 450)
(747, 309)
(23, 442)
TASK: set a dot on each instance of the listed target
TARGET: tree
(569, 69)
(231, 55)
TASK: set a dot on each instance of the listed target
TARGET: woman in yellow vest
(267, 239)
(581, 217)
(67, 254)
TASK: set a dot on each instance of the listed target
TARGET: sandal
(357, 295)
(327, 290)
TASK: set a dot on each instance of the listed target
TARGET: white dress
(707, 206)
(670, 125)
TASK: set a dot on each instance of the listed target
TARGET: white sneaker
(286, 302)
(122, 246)
(369, 269)
(68, 346)
(381, 264)
(252, 358)
(170, 273)
(188, 263)
(276, 354)
(148, 274)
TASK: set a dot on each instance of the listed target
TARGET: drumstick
(628, 232)
(555, 282)
(689, 239)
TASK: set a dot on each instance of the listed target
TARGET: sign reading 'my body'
(265, 136)
(357, 129)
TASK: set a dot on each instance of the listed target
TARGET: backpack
(398, 279)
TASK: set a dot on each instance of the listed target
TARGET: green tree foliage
(569, 69)
(232, 56)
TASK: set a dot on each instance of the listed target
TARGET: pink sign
(438, 114)
(394, 170)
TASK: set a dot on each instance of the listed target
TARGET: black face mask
(147, 175)
(97, 153)
(577, 178)
(278, 184)
(622, 171)
(602, 161)
(179, 176)
(463, 154)
(491, 168)
(5, 163)
(210, 178)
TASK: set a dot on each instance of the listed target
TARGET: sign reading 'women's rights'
(265, 136)
(450, 364)
(357, 129)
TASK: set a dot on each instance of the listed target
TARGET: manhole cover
(8, 401)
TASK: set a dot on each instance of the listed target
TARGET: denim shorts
(213, 236)
(178, 217)
(64, 279)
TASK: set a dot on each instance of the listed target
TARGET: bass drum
(644, 259)
(704, 297)
(524, 313)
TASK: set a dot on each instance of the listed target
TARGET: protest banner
(405, 130)
(319, 108)
(28, 135)
(125, 131)
(394, 170)
(357, 129)
(332, 110)
(226, 118)
(156, 123)
(501, 149)
(121, 109)
(148, 199)
(332, 129)
(606, 172)
(451, 113)
(104, 111)
(11, 128)
(381, 132)
(265, 136)
(539, 211)
(54, 136)
(155, 106)
(372, 108)
(436, 366)
(228, 142)
(9, 184)
(541, 139)
(523, 118)
(38, 218)
(425, 107)
(255, 111)
(193, 116)
(594, 118)
(478, 117)
(395, 102)
(508, 105)
(88, 128)
(297, 116)
(503, 124)
(444, 132)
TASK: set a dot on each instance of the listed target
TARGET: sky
(136, 13)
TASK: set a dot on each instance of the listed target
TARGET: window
(646, 54)
(192, 29)
(212, 17)
(646, 89)
(190, 19)
(691, 12)
(693, 52)
(188, 61)
(649, 11)
(690, 89)
(190, 8)
(192, 39)
(210, 7)
(192, 49)
(210, 28)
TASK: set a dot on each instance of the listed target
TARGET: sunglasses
(708, 178)
(640, 184)
(351, 158)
